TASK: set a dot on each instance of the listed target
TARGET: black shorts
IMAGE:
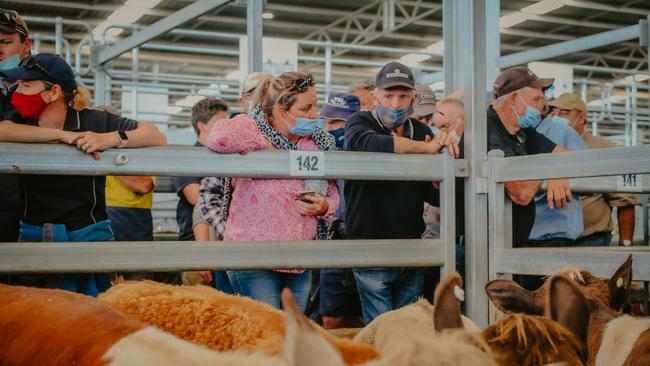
(338, 293)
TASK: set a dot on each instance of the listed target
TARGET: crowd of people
(42, 102)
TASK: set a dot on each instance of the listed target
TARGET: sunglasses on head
(31, 63)
(9, 18)
(303, 84)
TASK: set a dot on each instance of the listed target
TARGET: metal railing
(578, 165)
(175, 255)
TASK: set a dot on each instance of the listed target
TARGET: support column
(464, 31)
(254, 32)
(492, 44)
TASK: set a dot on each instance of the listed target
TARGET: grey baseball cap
(394, 74)
(425, 101)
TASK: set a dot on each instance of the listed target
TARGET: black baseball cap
(44, 66)
(340, 106)
(11, 22)
(516, 78)
(394, 74)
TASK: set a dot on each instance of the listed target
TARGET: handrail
(18, 158)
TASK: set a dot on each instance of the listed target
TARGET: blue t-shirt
(560, 222)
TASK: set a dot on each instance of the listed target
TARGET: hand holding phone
(304, 196)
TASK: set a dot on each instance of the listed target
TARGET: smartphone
(304, 196)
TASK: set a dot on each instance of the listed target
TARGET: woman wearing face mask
(284, 118)
(50, 107)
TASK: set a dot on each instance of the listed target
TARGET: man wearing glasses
(15, 45)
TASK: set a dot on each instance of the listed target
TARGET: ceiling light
(413, 58)
(142, 3)
(171, 109)
(267, 15)
(437, 47)
(190, 100)
(438, 85)
(543, 6)
(236, 75)
(512, 19)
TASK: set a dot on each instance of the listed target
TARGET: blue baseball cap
(340, 106)
(44, 66)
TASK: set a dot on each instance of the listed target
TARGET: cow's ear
(446, 304)
(568, 305)
(619, 284)
(509, 297)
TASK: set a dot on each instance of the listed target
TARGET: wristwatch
(124, 138)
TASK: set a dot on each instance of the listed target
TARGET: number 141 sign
(307, 163)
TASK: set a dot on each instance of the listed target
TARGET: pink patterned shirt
(262, 209)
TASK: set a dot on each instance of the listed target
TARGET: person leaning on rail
(50, 107)
(284, 117)
(15, 45)
(390, 209)
(597, 207)
(511, 120)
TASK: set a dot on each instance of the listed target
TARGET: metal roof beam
(162, 26)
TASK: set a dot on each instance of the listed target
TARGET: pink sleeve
(333, 198)
(236, 135)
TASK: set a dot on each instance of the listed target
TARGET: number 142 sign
(307, 163)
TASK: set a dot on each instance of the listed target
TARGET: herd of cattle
(575, 318)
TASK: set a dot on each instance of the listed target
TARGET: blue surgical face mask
(305, 126)
(9, 63)
(559, 120)
(532, 118)
(338, 134)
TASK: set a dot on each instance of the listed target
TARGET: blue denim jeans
(600, 239)
(266, 286)
(386, 289)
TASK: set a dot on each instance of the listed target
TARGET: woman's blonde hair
(280, 90)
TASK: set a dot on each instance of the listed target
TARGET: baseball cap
(340, 106)
(250, 83)
(425, 101)
(516, 78)
(363, 84)
(394, 74)
(569, 101)
(44, 66)
(11, 22)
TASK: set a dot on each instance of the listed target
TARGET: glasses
(303, 84)
(31, 63)
(9, 18)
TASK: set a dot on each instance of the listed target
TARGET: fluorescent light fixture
(638, 77)
(438, 85)
(543, 6)
(615, 99)
(190, 100)
(141, 3)
(437, 47)
(209, 92)
(126, 15)
(224, 86)
(234, 75)
(512, 19)
(171, 109)
(412, 58)
(267, 15)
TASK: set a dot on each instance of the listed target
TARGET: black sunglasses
(303, 84)
(9, 18)
(31, 63)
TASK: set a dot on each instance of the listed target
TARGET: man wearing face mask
(390, 209)
(557, 227)
(597, 207)
(15, 44)
(511, 121)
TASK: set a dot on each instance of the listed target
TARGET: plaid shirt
(210, 198)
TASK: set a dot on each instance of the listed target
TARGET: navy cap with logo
(394, 74)
(340, 106)
(44, 66)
